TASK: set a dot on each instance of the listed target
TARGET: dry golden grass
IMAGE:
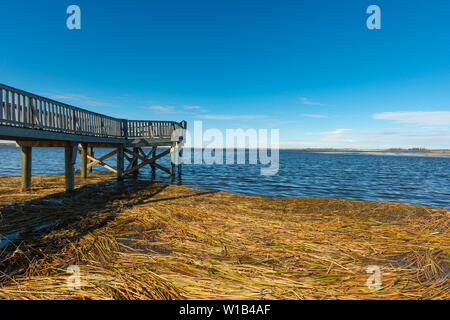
(144, 240)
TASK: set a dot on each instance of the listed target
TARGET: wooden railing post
(74, 121)
(125, 129)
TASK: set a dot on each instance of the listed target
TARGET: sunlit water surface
(351, 175)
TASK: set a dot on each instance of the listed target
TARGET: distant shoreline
(396, 150)
(372, 150)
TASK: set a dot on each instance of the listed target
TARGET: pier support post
(180, 156)
(152, 164)
(26, 168)
(180, 147)
(120, 162)
(90, 152)
(172, 160)
(135, 161)
(84, 161)
(70, 154)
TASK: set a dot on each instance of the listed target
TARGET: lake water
(351, 175)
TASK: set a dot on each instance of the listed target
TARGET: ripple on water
(361, 176)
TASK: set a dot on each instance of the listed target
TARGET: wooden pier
(35, 121)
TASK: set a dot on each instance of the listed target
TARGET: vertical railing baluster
(52, 115)
(13, 107)
(7, 105)
(1, 105)
(18, 110)
(40, 111)
(24, 112)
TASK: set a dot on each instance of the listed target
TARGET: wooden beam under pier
(161, 168)
(15, 132)
(93, 161)
(100, 160)
(145, 161)
(60, 144)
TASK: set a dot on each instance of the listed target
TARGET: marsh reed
(146, 240)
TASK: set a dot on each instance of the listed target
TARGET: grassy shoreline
(145, 240)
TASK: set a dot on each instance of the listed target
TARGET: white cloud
(192, 107)
(348, 138)
(319, 116)
(231, 117)
(336, 132)
(162, 109)
(305, 100)
(80, 100)
(419, 117)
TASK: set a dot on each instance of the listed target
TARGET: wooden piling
(70, 167)
(135, 161)
(180, 147)
(172, 160)
(84, 160)
(90, 152)
(180, 156)
(152, 164)
(120, 162)
(26, 168)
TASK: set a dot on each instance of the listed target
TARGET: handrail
(19, 108)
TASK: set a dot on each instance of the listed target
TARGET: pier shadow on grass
(36, 228)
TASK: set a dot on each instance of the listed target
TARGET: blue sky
(309, 68)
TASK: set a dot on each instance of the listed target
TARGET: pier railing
(26, 110)
(151, 129)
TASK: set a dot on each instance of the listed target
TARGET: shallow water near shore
(413, 179)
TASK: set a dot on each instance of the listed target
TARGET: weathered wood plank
(161, 168)
(100, 160)
(100, 163)
(146, 161)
